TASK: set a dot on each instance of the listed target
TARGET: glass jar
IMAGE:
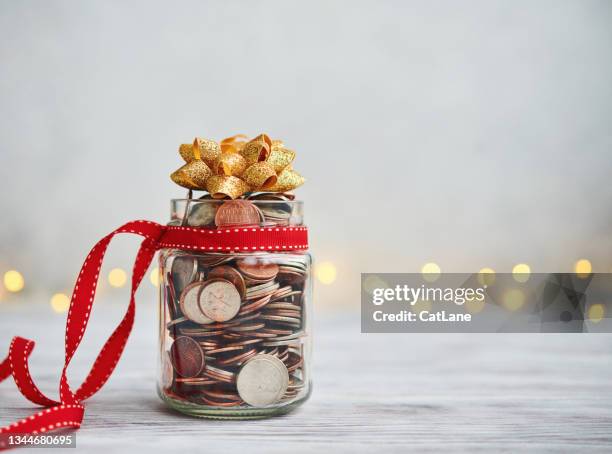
(235, 336)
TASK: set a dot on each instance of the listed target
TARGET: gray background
(469, 133)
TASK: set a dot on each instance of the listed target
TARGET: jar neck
(266, 211)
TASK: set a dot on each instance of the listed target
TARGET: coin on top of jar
(219, 300)
(263, 380)
(202, 214)
(238, 213)
(187, 357)
(190, 304)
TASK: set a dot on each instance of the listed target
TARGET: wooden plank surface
(372, 392)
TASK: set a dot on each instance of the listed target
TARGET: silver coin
(219, 300)
(167, 371)
(263, 380)
(190, 304)
(184, 271)
(202, 214)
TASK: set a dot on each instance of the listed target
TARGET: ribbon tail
(69, 412)
(5, 369)
(113, 348)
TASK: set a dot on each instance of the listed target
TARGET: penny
(229, 274)
(263, 380)
(187, 357)
(219, 300)
(213, 260)
(234, 213)
(257, 270)
(190, 304)
(238, 359)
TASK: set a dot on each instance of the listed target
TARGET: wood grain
(372, 392)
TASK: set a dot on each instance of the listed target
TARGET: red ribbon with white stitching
(67, 412)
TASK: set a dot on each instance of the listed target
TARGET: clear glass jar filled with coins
(235, 334)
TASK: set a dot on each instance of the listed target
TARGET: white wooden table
(372, 392)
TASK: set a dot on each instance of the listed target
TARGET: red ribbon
(69, 410)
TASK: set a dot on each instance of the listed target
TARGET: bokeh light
(373, 282)
(60, 302)
(583, 268)
(521, 272)
(473, 305)
(486, 276)
(431, 272)
(596, 312)
(326, 272)
(514, 299)
(117, 277)
(154, 277)
(13, 281)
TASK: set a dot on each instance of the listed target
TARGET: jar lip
(256, 201)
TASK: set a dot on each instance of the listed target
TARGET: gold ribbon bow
(236, 166)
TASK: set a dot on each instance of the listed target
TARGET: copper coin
(229, 274)
(257, 270)
(234, 213)
(187, 357)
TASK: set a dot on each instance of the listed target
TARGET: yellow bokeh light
(154, 277)
(326, 272)
(596, 313)
(373, 282)
(583, 268)
(486, 276)
(13, 281)
(117, 277)
(474, 306)
(430, 272)
(60, 302)
(514, 299)
(521, 272)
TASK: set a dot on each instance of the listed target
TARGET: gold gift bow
(236, 166)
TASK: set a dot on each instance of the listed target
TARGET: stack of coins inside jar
(234, 326)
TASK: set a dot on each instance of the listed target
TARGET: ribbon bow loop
(236, 166)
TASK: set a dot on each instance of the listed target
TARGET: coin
(229, 274)
(166, 370)
(202, 214)
(234, 213)
(187, 357)
(219, 300)
(257, 270)
(190, 304)
(263, 380)
(184, 271)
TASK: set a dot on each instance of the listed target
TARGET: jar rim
(256, 201)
